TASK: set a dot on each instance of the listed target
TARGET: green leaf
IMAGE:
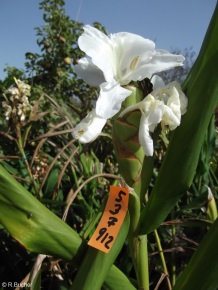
(31, 223)
(9, 168)
(51, 181)
(39, 230)
(36, 285)
(97, 264)
(179, 165)
(197, 202)
(202, 270)
(116, 280)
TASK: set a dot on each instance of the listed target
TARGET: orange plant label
(111, 220)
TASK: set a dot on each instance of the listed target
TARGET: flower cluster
(164, 105)
(17, 103)
(112, 62)
(40, 167)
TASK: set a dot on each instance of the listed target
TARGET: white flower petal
(155, 114)
(157, 82)
(134, 107)
(172, 110)
(144, 136)
(161, 60)
(142, 71)
(150, 107)
(89, 72)
(98, 46)
(171, 117)
(182, 97)
(110, 100)
(127, 49)
(125, 57)
(89, 128)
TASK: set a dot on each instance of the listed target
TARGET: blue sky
(170, 23)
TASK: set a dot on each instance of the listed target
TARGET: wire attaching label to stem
(111, 220)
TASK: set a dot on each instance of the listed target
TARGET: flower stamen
(134, 62)
(79, 133)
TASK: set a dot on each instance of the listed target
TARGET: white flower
(8, 110)
(15, 94)
(164, 105)
(17, 103)
(114, 61)
(21, 112)
(23, 88)
(89, 128)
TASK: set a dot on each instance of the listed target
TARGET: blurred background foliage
(53, 166)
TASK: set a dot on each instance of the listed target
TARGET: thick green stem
(138, 244)
(143, 273)
(130, 157)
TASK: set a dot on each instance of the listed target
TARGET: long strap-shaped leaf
(202, 270)
(182, 156)
(31, 223)
(41, 231)
(96, 264)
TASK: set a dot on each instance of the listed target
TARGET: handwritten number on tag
(103, 235)
(111, 220)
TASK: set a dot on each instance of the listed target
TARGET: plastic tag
(111, 220)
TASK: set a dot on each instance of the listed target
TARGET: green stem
(146, 175)
(138, 249)
(22, 152)
(138, 244)
(165, 270)
(143, 273)
(173, 265)
(75, 177)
